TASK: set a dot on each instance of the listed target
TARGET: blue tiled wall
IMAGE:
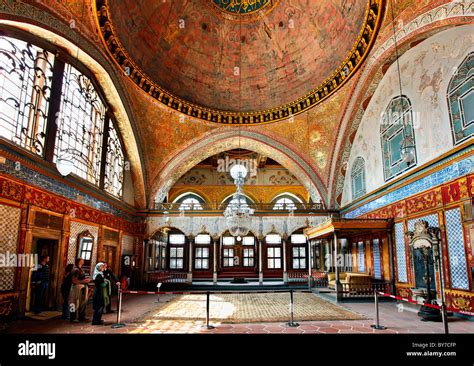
(457, 169)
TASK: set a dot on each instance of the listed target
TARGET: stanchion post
(208, 300)
(158, 286)
(119, 310)
(444, 316)
(377, 325)
(292, 323)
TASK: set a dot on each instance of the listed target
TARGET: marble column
(310, 267)
(215, 239)
(284, 239)
(336, 268)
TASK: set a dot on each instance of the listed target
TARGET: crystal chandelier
(238, 214)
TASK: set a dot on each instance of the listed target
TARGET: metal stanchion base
(293, 324)
(378, 327)
(208, 327)
(118, 325)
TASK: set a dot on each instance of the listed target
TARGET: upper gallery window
(461, 100)
(189, 201)
(25, 90)
(78, 126)
(358, 178)
(396, 132)
(285, 201)
(284, 204)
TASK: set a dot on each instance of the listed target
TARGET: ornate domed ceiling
(239, 61)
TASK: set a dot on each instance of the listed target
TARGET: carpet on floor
(44, 315)
(249, 308)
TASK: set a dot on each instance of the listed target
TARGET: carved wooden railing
(167, 277)
(297, 277)
(200, 207)
(320, 279)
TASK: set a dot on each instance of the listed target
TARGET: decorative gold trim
(464, 293)
(361, 49)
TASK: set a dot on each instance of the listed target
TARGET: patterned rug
(44, 315)
(249, 308)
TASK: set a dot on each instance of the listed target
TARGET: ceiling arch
(229, 139)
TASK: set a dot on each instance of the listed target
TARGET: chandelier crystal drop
(238, 214)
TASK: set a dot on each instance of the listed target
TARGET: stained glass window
(358, 178)
(26, 73)
(461, 100)
(80, 125)
(396, 128)
(29, 76)
(115, 163)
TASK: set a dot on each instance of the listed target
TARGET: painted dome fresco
(239, 56)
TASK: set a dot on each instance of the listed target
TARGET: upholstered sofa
(359, 280)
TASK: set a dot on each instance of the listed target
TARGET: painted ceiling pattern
(162, 132)
(206, 67)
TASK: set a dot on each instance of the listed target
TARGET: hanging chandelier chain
(396, 48)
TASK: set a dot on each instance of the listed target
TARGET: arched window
(461, 100)
(286, 201)
(396, 130)
(190, 201)
(358, 178)
(26, 74)
(55, 111)
(230, 200)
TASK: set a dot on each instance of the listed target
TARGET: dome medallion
(243, 9)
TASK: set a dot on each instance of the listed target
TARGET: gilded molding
(361, 49)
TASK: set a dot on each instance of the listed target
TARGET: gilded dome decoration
(202, 63)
